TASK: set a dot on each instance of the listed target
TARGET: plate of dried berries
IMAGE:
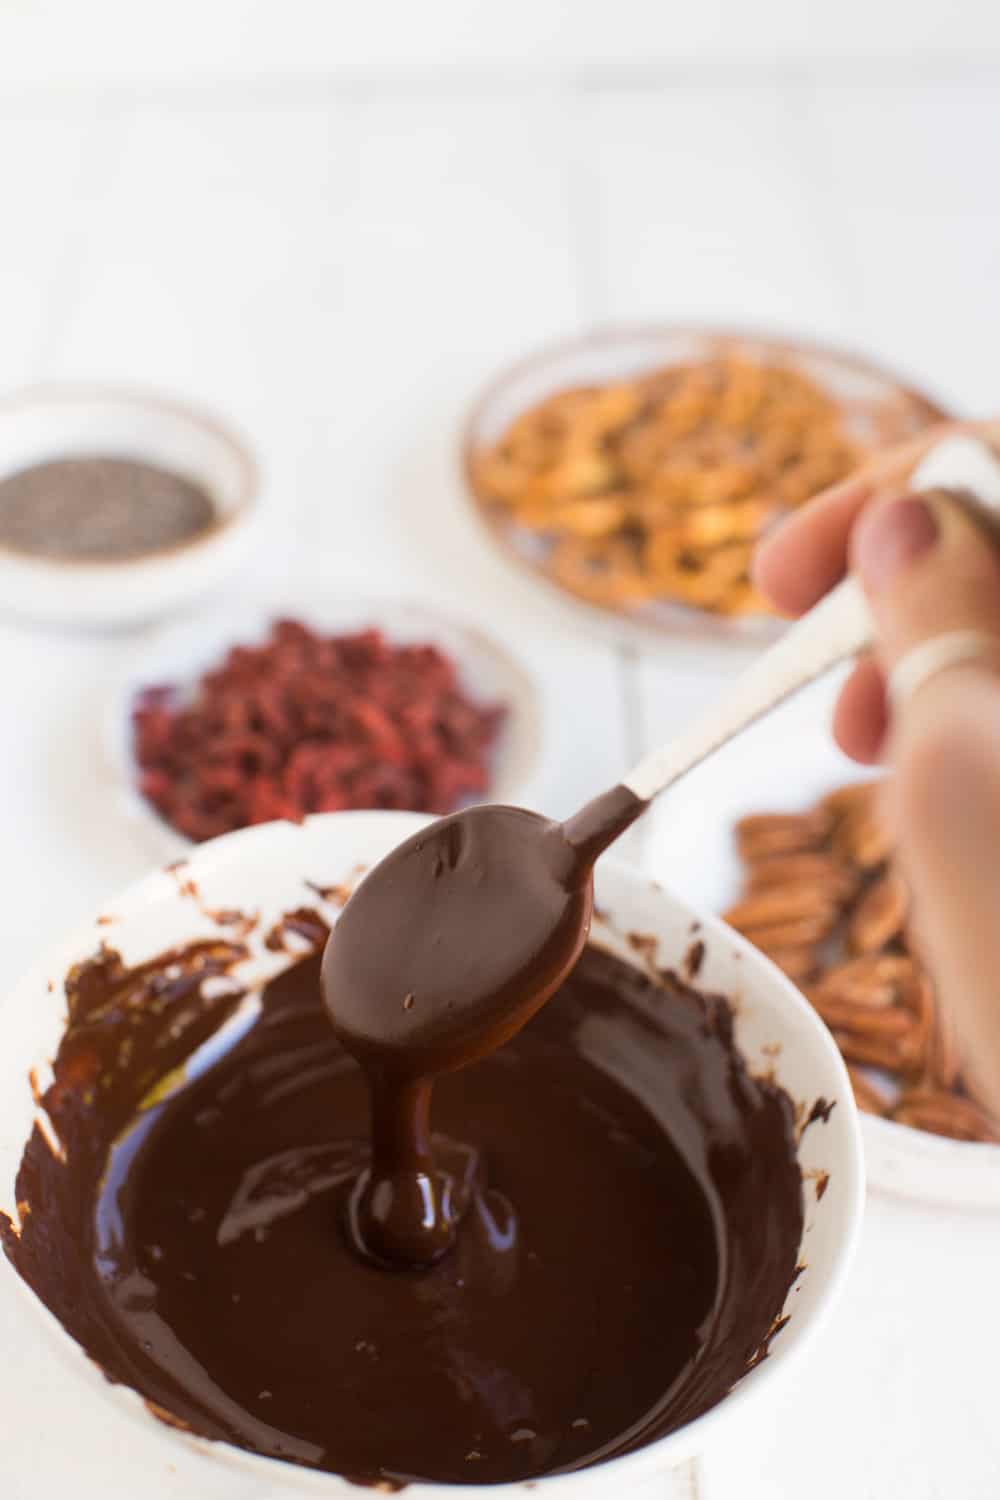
(317, 701)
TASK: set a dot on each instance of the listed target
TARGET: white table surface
(337, 260)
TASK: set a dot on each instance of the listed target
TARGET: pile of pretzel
(659, 487)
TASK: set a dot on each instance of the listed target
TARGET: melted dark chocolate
(633, 1224)
(447, 948)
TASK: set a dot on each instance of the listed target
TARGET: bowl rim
(117, 740)
(58, 394)
(608, 335)
(750, 628)
(663, 1454)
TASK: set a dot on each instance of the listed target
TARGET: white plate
(784, 764)
(76, 421)
(265, 869)
(180, 653)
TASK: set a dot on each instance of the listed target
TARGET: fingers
(861, 717)
(946, 807)
(805, 558)
(928, 569)
(808, 554)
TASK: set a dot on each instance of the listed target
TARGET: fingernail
(892, 536)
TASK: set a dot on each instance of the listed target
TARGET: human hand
(928, 569)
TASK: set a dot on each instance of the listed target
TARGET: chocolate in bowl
(269, 864)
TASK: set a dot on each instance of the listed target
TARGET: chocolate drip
(448, 948)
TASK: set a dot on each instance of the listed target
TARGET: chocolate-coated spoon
(444, 951)
(459, 935)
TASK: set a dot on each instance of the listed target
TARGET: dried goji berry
(309, 723)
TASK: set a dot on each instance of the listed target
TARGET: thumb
(928, 568)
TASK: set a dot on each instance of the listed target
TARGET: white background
(332, 223)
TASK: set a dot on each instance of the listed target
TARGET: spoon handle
(838, 628)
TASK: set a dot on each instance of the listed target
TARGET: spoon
(455, 939)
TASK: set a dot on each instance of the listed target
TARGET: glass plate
(878, 410)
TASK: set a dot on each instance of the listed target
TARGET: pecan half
(862, 837)
(917, 996)
(846, 799)
(763, 834)
(873, 979)
(880, 914)
(945, 1113)
(779, 904)
(944, 1062)
(912, 938)
(916, 991)
(896, 1054)
(819, 870)
(863, 1020)
(798, 964)
(866, 1095)
(800, 932)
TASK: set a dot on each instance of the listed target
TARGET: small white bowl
(784, 764)
(178, 653)
(265, 869)
(97, 421)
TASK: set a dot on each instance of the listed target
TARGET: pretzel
(658, 488)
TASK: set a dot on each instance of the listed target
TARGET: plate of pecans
(635, 470)
(284, 706)
(801, 863)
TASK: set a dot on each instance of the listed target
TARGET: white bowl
(784, 765)
(266, 869)
(79, 421)
(178, 654)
